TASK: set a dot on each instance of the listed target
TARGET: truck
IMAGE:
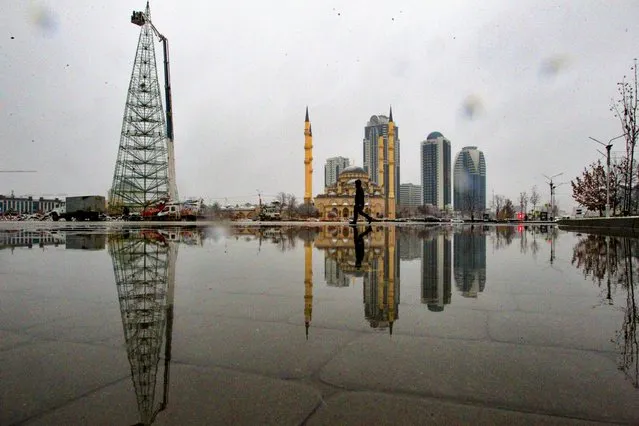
(86, 207)
(166, 210)
(269, 212)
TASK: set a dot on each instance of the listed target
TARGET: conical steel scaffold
(145, 167)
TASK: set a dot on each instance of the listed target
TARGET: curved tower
(469, 181)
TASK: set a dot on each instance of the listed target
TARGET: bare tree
(499, 204)
(470, 202)
(291, 204)
(523, 202)
(534, 197)
(626, 109)
(281, 198)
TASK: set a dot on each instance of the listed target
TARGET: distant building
(332, 169)
(10, 204)
(435, 169)
(378, 126)
(469, 181)
(410, 194)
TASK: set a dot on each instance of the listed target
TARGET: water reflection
(144, 267)
(613, 262)
(436, 269)
(470, 261)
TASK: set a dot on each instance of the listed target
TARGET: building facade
(338, 200)
(435, 170)
(469, 181)
(10, 204)
(410, 194)
(332, 169)
(378, 126)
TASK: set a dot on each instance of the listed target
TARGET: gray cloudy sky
(243, 72)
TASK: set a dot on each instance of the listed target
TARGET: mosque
(338, 200)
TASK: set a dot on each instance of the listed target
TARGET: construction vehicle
(166, 210)
(270, 212)
(87, 207)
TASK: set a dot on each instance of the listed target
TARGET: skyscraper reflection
(436, 270)
(470, 261)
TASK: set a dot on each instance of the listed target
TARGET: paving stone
(368, 408)
(552, 381)
(270, 348)
(196, 396)
(9, 340)
(37, 377)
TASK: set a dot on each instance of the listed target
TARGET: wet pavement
(293, 324)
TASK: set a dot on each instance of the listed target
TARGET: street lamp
(608, 148)
(552, 192)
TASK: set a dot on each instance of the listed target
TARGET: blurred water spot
(472, 107)
(43, 18)
(553, 65)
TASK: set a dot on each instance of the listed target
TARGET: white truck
(87, 207)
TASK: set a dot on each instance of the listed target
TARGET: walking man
(359, 203)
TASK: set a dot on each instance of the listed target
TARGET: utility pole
(608, 148)
(552, 192)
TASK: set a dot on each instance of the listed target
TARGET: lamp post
(608, 146)
(552, 192)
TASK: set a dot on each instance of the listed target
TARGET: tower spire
(390, 115)
(308, 161)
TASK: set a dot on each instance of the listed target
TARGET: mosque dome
(434, 135)
(353, 169)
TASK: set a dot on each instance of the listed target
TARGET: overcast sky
(539, 76)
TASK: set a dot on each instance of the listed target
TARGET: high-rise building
(410, 194)
(469, 180)
(435, 168)
(378, 126)
(436, 271)
(469, 263)
(332, 168)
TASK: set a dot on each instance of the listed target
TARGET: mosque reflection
(613, 264)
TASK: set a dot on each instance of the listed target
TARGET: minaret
(390, 213)
(380, 167)
(308, 284)
(308, 161)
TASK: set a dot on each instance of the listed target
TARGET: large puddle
(308, 303)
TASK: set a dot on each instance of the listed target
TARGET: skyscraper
(378, 126)
(332, 168)
(435, 168)
(410, 194)
(469, 192)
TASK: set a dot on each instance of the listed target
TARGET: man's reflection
(359, 245)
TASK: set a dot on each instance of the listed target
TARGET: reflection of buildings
(333, 274)
(436, 271)
(410, 245)
(470, 262)
(144, 266)
(379, 269)
(30, 238)
(381, 284)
